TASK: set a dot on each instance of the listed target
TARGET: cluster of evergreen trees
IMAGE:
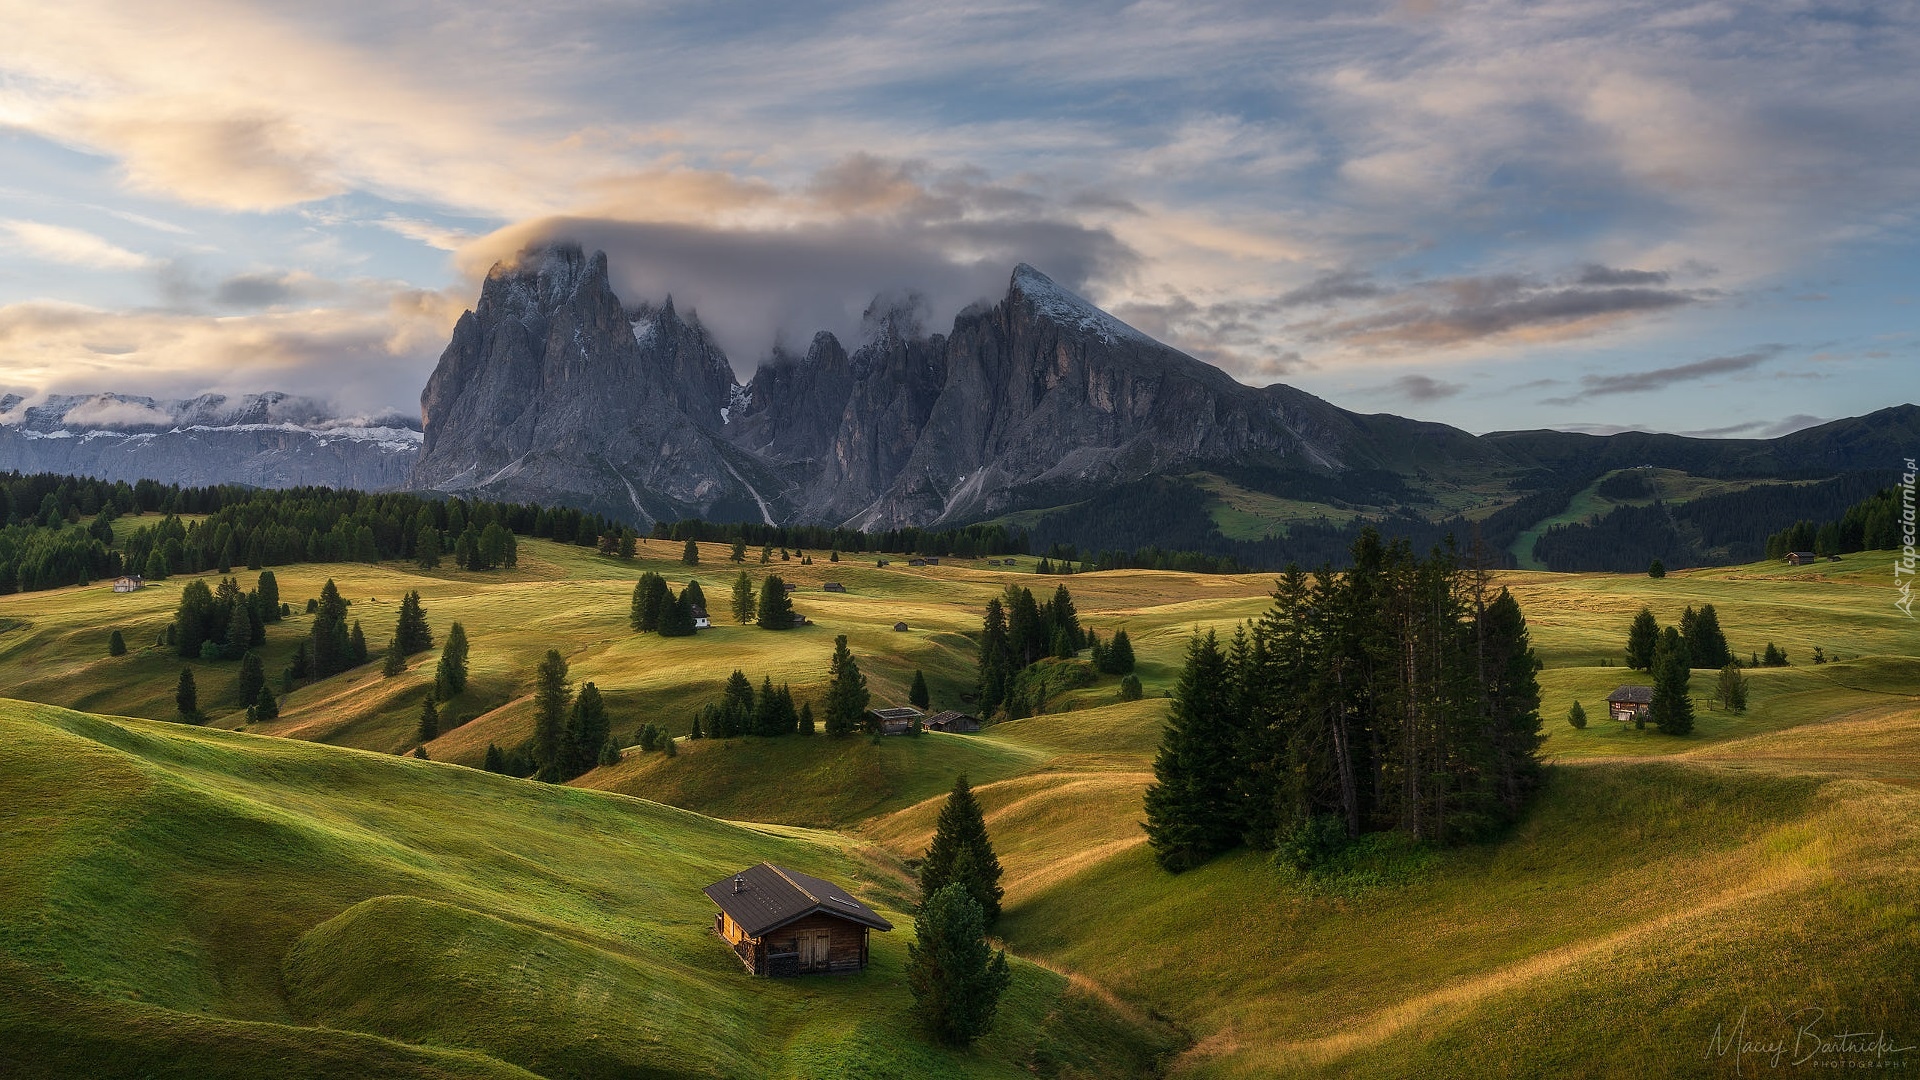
(1018, 632)
(1699, 630)
(223, 625)
(1873, 524)
(1400, 695)
(656, 608)
(571, 733)
(741, 711)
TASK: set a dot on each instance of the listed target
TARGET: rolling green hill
(182, 892)
(181, 902)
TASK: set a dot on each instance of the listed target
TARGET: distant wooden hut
(1627, 702)
(952, 722)
(1801, 558)
(834, 586)
(897, 721)
(933, 562)
(916, 562)
(700, 620)
(129, 583)
(781, 922)
(900, 627)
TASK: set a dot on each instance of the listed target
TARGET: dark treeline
(967, 542)
(1399, 695)
(44, 545)
(1017, 633)
(1873, 524)
(1715, 529)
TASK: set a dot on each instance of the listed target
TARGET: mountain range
(262, 440)
(1038, 410)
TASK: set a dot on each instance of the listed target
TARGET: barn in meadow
(783, 922)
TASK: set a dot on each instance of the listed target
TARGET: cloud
(109, 413)
(860, 228)
(1640, 382)
(1329, 288)
(1596, 274)
(1422, 388)
(75, 247)
(426, 232)
(1461, 310)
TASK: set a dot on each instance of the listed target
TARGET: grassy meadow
(184, 891)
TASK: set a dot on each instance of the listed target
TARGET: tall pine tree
(552, 695)
(1191, 809)
(962, 853)
(847, 695)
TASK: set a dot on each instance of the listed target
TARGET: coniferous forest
(1399, 695)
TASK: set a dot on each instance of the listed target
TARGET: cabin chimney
(739, 883)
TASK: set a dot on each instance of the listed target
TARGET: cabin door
(813, 950)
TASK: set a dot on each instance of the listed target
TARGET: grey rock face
(265, 440)
(551, 390)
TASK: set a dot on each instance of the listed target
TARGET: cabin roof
(697, 611)
(772, 896)
(903, 712)
(1631, 695)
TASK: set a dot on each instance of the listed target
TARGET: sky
(1582, 214)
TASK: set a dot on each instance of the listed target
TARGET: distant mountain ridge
(552, 388)
(263, 440)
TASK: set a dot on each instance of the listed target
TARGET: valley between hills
(195, 901)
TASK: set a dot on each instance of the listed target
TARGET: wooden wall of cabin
(846, 947)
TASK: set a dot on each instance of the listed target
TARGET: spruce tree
(847, 696)
(676, 616)
(996, 658)
(450, 678)
(331, 647)
(412, 632)
(356, 645)
(1130, 689)
(1732, 688)
(1191, 812)
(1708, 643)
(917, 695)
(116, 644)
(739, 552)
(588, 729)
(690, 554)
(239, 628)
(1119, 654)
(1672, 709)
(962, 853)
(264, 707)
(693, 594)
(253, 676)
(956, 978)
(735, 715)
(552, 694)
(269, 593)
(393, 661)
(743, 606)
(186, 697)
(776, 608)
(1641, 639)
(1656, 569)
(806, 718)
(650, 594)
(1577, 716)
(429, 728)
(426, 555)
(496, 762)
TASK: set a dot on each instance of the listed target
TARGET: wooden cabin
(834, 586)
(900, 627)
(1801, 558)
(952, 722)
(933, 562)
(1627, 702)
(781, 922)
(896, 721)
(129, 583)
(700, 619)
(916, 562)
